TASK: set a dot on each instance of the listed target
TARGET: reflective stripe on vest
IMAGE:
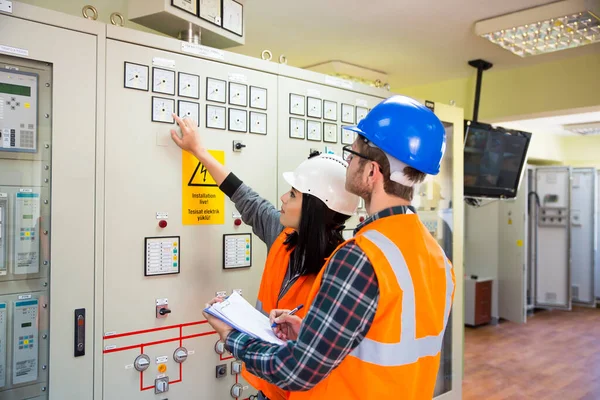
(409, 349)
(259, 307)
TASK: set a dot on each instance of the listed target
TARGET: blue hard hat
(407, 130)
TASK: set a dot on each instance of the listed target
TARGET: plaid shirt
(336, 323)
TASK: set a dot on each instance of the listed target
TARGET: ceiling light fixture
(552, 27)
(589, 128)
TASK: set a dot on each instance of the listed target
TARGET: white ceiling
(554, 124)
(414, 42)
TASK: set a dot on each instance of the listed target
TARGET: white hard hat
(324, 177)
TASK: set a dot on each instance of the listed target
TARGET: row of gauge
(164, 82)
(326, 109)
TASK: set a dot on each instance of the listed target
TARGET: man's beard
(358, 188)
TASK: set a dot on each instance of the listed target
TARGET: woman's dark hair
(319, 233)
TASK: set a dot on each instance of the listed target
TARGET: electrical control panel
(25, 341)
(27, 214)
(3, 323)
(3, 237)
(18, 111)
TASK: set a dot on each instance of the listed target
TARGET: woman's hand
(288, 326)
(190, 138)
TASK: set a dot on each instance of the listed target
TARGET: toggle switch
(162, 223)
(237, 390)
(236, 367)
(220, 347)
(141, 363)
(161, 385)
(238, 145)
(164, 311)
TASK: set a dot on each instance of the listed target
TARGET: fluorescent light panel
(544, 29)
(590, 128)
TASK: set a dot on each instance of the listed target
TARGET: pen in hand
(294, 311)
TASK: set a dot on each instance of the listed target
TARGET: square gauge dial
(189, 85)
(329, 132)
(314, 107)
(258, 123)
(313, 130)
(136, 76)
(347, 113)
(330, 110)
(163, 81)
(258, 97)
(361, 112)
(210, 10)
(162, 110)
(215, 117)
(216, 90)
(233, 17)
(238, 94)
(297, 128)
(296, 104)
(190, 6)
(238, 120)
(190, 110)
(347, 136)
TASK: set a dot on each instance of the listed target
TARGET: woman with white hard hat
(299, 237)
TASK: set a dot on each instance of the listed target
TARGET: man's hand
(190, 138)
(221, 327)
(288, 326)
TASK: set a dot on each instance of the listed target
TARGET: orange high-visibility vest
(276, 266)
(400, 355)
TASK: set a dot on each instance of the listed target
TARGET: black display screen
(493, 160)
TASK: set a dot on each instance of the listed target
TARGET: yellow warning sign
(202, 201)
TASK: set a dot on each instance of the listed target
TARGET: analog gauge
(189, 85)
(136, 76)
(296, 104)
(313, 131)
(361, 112)
(233, 17)
(347, 113)
(215, 117)
(189, 110)
(314, 107)
(163, 81)
(237, 120)
(215, 90)
(186, 5)
(162, 110)
(297, 128)
(210, 10)
(258, 97)
(329, 132)
(258, 123)
(238, 94)
(347, 136)
(330, 110)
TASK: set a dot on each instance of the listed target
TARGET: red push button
(237, 222)
(362, 219)
(162, 224)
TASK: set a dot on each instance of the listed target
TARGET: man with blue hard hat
(380, 306)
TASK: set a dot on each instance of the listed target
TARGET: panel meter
(2, 344)
(3, 238)
(330, 110)
(296, 104)
(25, 341)
(347, 136)
(18, 111)
(329, 132)
(258, 123)
(163, 81)
(136, 76)
(189, 110)
(238, 94)
(215, 117)
(189, 85)
(162, 110)
(190, 6)
(258, 97)
(361, 112)
(313, 131)
(27, 243)
(215, 90)
(210, 10)
(347, 113)
(297, 128)
(233, 17)
(314, 106)
(237, 120)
